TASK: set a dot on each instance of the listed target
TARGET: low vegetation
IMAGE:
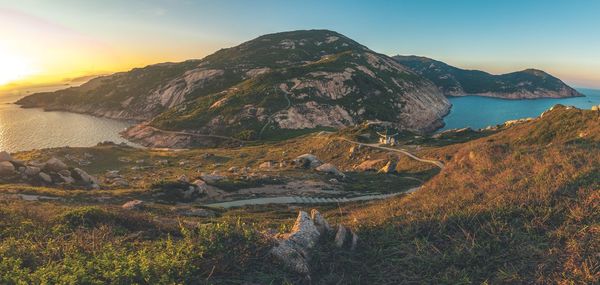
(515, 205)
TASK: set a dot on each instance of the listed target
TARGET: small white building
(388, 139)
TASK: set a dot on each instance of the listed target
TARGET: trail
(194, 134)
(434, 162)
(304, 200)
(285, 93)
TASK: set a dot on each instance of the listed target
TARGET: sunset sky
(43, 41)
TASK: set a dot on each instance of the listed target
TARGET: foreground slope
(453, 81)
(277, 84)
(518, 206)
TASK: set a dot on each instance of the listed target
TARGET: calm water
(479, 112)
(25, 129)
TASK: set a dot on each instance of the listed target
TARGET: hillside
(272, 87)
(517, 205)
(453, 81)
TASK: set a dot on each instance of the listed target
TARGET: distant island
(453, 81)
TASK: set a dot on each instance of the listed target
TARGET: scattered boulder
(322, 225)
(5, 156)
(183, 178)
(307, 161)
(45, 177)
(31, 171)
(133, 205)
(66, 179)
(84, 176)
(330, 168)
(352, 151)
(340, 236)
(266, 165)
(345, 236)
(370, 165)
(6, 168)
(201, 185)
(390, 167)
(55, 165)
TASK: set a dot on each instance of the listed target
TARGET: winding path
(193, 134)
(304, 200)
(434, 162)
(285, 93)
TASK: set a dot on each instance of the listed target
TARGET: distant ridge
(453, 81)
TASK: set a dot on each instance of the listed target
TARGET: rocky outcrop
(389, 167)
(371, 165)
(53, 172)
(293, 250)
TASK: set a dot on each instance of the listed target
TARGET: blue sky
(560, 37)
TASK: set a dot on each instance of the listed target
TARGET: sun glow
(13, 66)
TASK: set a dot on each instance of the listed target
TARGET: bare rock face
(312, 114)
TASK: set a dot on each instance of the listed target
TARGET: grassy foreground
(520, 206)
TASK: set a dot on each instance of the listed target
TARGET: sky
(53, 40)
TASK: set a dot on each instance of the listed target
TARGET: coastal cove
(33, 128)
(479, 112)
(26, 129)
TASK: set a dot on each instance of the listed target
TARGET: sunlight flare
(14, 66)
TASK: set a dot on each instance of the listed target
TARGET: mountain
(274, 86)
(453, 81)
